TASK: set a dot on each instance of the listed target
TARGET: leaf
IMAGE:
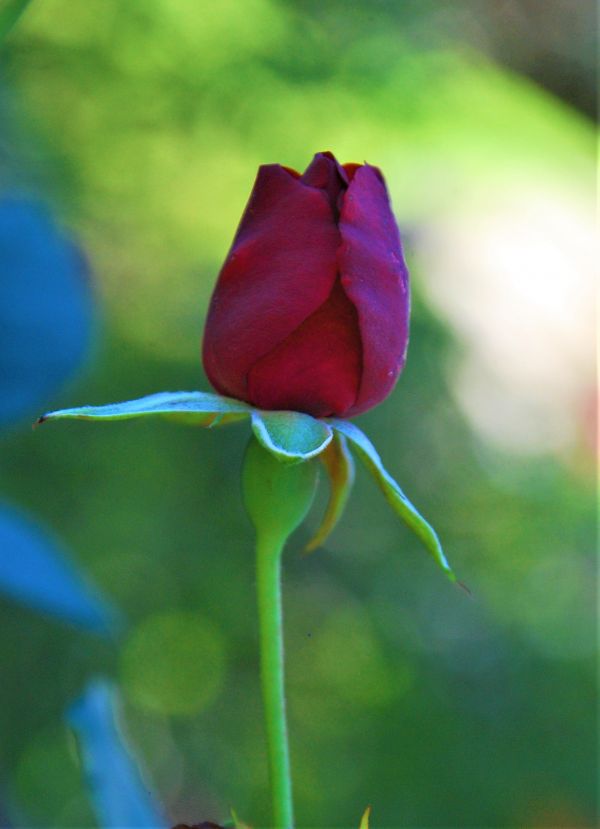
(35, 572)
(10, 11)
(46, 309)
(393, 494)
(291, 436)
(119, 794)
(364, 821)
(339, 464)
(197, 407)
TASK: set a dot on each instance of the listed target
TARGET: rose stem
(270, 615)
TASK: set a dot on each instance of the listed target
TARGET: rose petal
(317, 368)
(375, 278)
(281, 267)
(325, 173)
(350, 169)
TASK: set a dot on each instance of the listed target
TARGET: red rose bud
(310, 311)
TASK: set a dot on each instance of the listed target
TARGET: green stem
(270, 615)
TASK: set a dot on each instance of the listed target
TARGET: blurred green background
(142, 123)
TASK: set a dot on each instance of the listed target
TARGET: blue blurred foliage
(46, 314)
(37, 573)
(121, 798)
(45, 308)
(46, 311)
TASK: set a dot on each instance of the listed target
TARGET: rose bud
(310, 311)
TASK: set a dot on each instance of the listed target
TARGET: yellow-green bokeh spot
(363, 679)
(173, 663)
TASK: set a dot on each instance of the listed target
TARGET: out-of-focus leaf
(339, 464)
(364, 821)
(291, 436)
(393, 494)
(10, 11)
(193, 407)
(120, 796)
(35, 572)
(236, 822)
(45, 308)
(11, 814)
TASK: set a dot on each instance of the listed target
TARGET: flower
(310, 311)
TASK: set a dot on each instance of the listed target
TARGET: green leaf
(10, 11)
(195, 407)
(291, 436)
(393, 494)
(339, 465)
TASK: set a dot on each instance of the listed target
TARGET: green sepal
(194, 407)
(291, 436)
(393, 494)
(277, 495)
(339, 465)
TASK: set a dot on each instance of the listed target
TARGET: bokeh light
(173, 663)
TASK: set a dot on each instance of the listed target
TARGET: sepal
(393, 494)
(339, 465)
(193, 407)
(291, 436)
